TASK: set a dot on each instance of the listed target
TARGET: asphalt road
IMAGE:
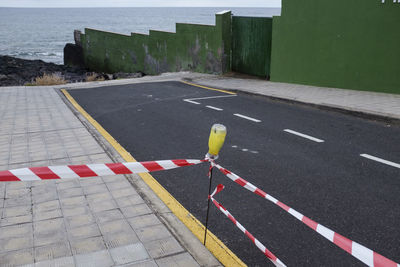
(327, 181)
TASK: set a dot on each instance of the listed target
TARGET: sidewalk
(370, 103)
(99, 221)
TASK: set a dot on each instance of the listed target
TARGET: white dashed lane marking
(190, 101)
(246, 117)
(304, 136)
(215, 108)
(396, 165)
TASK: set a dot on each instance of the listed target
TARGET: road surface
(339, 170)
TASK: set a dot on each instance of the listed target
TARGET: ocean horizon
(41, 33)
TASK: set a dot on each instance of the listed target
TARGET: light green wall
(351, 44)
(199, 48)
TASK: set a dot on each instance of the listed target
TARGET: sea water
(41, 33)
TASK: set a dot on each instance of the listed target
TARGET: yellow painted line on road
(214, 245)
(209, 88)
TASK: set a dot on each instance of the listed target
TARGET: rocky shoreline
(16, 72)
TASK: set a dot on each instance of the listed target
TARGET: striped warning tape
(90, 170)
(364, 254)
(264, 250)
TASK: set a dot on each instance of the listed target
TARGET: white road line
(193, 102)
(215, 108)
(210, 97)
(247, 118)
(304, 136)
(381, 160)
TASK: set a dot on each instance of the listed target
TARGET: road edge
(214, 245)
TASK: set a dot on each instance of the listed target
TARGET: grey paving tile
(18, 257)
(87, 245)
(118, 185)
(16, 193)
(136, 210)
(130, 253)
(46, 206)
(21, 201)
(163, 247)
(99, 197)
(70, 192)
(17, 211)
(118, 193)
(45, 197)
(180, 260)
(75, 210)
(129, 201)
(79, 220)
(111, 227)
(108, 215)
(143, 221)
(95, 259)
(50, 237)
(152, 233)
(53, 251)
(73, 202)
(95, 189)
(16, 243)
(86, 231)
(98, 206)
(51, 225)
(18, 230)
(72, 183)
(48, 214)
(150, 263)
(16, 220)
(59, 262)
(91, 182)
(119, 239)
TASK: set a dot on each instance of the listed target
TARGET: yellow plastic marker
(216, 140)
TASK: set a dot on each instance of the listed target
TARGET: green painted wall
(199, 48)
(351, 44)
(251, 45)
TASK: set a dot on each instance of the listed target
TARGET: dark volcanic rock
(73, 55)
(16, 71)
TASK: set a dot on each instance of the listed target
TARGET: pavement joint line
(209, 88)
(304, 136)
(246, 117)
(390, 163)
(190, 101)
(214, 244)
(215, 108)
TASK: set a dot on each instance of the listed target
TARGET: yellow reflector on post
(216, 140)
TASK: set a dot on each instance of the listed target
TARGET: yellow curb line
(214, 245)
(209, 88)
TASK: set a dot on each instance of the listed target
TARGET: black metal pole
(208, 206)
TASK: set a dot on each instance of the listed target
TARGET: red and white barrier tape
(90, 170)
(264, 250)
(364, 254)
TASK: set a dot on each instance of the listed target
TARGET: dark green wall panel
(251, 45)
(200, 48)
